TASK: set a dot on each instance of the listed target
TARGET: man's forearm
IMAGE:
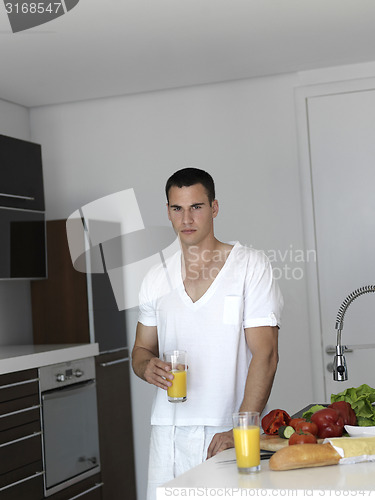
(140, 359)
(259, 383)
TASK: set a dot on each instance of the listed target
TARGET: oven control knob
(78, 373)
(60, 377)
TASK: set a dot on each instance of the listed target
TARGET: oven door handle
(71, 389)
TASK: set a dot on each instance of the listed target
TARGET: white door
(342, 167)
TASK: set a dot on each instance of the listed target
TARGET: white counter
(216, 479)
(24, 357)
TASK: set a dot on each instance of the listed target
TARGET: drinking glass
(246, 434)
(178, 361)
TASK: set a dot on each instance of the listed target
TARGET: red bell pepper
(330, 423)
(274, 420)
(346, 411)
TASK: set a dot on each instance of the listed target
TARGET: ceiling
(104, 48)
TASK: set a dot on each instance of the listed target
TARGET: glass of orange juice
(246, 434)
(178, 361)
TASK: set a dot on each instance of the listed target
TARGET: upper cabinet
(22, 217)
(21, 174)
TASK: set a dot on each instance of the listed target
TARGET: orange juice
(247, 445)
(178, 387)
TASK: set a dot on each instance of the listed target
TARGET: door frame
(315, 332)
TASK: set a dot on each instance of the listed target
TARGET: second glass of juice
(246, 434)
(178, 361)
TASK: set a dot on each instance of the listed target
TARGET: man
(219, 303)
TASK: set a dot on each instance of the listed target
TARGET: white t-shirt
(211, 330)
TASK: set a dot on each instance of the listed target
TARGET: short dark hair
(190, 176)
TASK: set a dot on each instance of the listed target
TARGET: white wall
(15, 305)
(244, 134)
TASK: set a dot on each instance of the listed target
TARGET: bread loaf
(299, 456)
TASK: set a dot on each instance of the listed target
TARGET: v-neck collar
(210, 290)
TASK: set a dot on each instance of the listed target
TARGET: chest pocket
(233, 310)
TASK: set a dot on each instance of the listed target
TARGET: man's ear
(215, 208)
(169, 217)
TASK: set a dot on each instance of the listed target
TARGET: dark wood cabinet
(21, 183)
(115, 425)
(21, 462)
(22, 217)
(21, 467)
(59, 303)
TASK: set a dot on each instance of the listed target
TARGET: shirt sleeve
(263, 301)
(146, 310)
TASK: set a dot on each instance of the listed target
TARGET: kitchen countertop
(214, 475)
(23, 357)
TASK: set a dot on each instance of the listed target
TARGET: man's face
(191, 214)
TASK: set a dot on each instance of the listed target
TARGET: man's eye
(196, 207)
(176, 209)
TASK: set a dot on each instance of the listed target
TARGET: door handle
(331, 349)
(115, 362)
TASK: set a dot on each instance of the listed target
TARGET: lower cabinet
(21, 464)
(21, 468)
(115, 426)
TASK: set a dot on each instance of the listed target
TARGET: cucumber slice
(285, 431)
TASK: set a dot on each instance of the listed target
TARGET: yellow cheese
(354, 447)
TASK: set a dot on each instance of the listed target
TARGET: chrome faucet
(340, 372)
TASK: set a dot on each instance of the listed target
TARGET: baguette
(299, 456)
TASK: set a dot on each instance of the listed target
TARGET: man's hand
(220, 442)
(145, 358)
(158, 373)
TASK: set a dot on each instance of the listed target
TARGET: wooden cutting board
(272, 443)
(275, 443)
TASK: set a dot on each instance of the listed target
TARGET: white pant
(174, 450)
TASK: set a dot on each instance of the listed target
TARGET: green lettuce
(361, 399)
(307, 414)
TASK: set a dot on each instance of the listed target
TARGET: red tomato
(301, 438)
(296, 421)
(309, 427)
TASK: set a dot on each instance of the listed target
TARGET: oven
(69, 423)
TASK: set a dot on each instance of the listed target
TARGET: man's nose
(187, 217)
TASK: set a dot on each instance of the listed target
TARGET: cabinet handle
(37, 474)
(15, 384)
(16, 412)
(18, 196)
(36, 434)
(110, 363)
(98, 485)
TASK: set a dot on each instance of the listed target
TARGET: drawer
(28, 488)
(14, 476)
(18, 390)
(14, 377)
(20, 453)
(18, 404)
(19, 417)
(19, 432)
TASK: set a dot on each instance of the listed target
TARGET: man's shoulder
(249, 253)
(159, 269)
